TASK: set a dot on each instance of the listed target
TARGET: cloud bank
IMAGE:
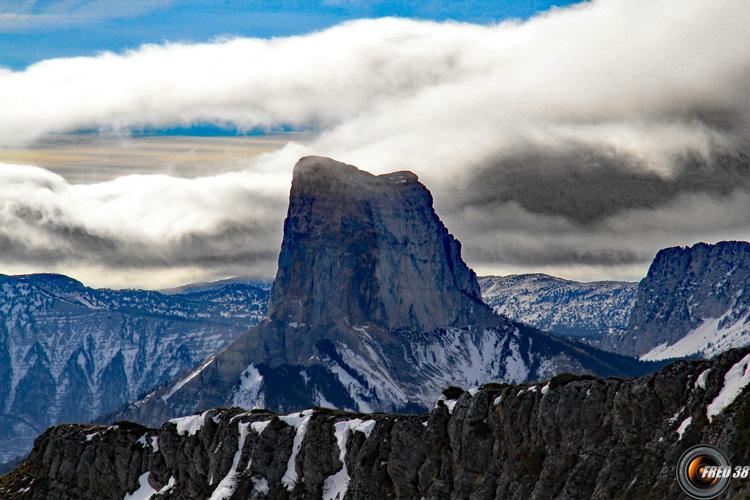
(578, 142)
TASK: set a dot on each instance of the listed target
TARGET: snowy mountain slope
(372, 309)
(71, 353)
(368, 369)
(572, 437)
(560, 306)
(695, 301)
(217, 285)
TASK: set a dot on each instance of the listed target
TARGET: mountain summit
(372, 309)
(366, 249)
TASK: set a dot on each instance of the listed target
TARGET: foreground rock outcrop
(568, 438)
(372, 309)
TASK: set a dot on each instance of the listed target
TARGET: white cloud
(648, 80)
(626, 72)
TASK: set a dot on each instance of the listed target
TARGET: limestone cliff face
(695, 301)
(372, 309)
(567, 438)
(374, 249)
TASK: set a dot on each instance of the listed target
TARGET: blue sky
(33, 30)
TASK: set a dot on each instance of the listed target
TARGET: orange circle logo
(703, 472)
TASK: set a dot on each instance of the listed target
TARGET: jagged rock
(568, 438)
(695, 301)
(372, 309)
(72, 353)
(374, 248)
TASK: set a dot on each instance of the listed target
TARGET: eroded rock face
(374, 248)
(372, 310)
(71, 353)
(568, 438)
(695, 301)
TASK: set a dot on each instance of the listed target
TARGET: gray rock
(703, 286)
(374, 247)
(570, 437)
(372, 309)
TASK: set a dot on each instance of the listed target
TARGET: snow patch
(497, 400)
(190, 425)
(545, 389)
(335, 486)
(299, 421)
(187, 379)
(515, 368)
(260, 485)
(449, 403)
(706, 340)
(674, 417)
(144, 491)
(355, 389)
(226, 486)
(248, 394)
(735, 380)
(259, 427)
(683, 426)
(533, 388)
(701, 381)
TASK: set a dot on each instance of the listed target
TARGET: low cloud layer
(579, 142)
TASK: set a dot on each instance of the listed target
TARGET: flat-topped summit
(372, 309)
(365, 249)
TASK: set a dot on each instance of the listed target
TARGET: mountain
(208, 286)
(372, 309)
(71, 353)
(568, 438)
(695, 301)
(559, 306)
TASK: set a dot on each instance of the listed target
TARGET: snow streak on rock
(335, 486)
(735, 380)
(299, 421)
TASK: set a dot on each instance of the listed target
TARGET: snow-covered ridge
(561, 306)
(72, 353)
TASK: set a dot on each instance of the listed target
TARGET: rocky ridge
(570, 437)
(72, 353)
(560, 306)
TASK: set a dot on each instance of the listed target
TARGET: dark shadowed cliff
(568, 438)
